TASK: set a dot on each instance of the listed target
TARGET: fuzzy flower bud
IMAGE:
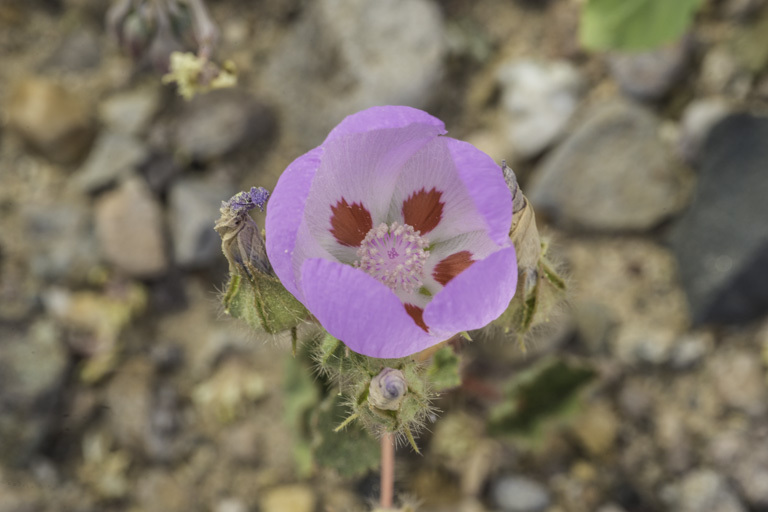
(253, 293)
(387, 390)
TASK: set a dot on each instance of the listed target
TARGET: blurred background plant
(123, 388)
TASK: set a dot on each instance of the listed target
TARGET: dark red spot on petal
(350, 223)
(417, 314)
(423, 210)
(452, 266)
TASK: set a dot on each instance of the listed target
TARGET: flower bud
(387, 390)
(253, 293)
(539, 287)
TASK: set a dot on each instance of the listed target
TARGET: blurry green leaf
(352, 452)
(301, 396)
(443, 373)
(634, 25)
(543, 393)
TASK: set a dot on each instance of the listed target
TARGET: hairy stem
(387, 470)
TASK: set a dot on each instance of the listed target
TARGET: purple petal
(434, 168)
(475, 297)
(285, 212)
(485, 183)
(360, 311)
(361, 169)
(389, 116)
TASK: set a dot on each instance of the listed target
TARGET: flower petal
(360, 311)
(388, 116)
(477, 243)
(476, 296)
(485, 184)
(431, 192)
(360, 169)
(285, 211)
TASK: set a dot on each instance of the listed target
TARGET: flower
(394, 237)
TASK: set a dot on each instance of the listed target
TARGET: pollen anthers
(395, 255)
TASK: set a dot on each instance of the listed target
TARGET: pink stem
(387, 470)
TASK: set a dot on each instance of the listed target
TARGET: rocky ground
(123, 387)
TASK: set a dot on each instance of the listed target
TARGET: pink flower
(394, 237)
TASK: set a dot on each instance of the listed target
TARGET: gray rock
(346, 55)
(538, 99)
(214, 124)
(721, 242)
(60, 241)
(128, 401)
(742, 10)
(515, 493)
(50, 118)
(698, 119)
(702, 490)
(649, 76)
(77, 52)
(194, 208)
(32, 367)
(613, 173)
(113, 157)
(130, 111)
(129, 225)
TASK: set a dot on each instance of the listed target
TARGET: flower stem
(387, 470)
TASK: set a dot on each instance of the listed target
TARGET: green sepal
(538, 293)
(443, 372)
(262, 302)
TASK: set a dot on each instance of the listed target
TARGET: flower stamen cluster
(394, 255)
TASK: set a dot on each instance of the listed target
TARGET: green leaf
(544, 393)
(634, 25)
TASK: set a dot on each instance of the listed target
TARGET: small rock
(32, 369)
(648, 76)
(296, 498)
(346, 55)
(722, 74)
(739, 379)
(114, 156)
(515, 493)
(613, 173)
(129, 401)
(194, 207)
(698, 119)
(720, 242)
(230, 505)
(702, 490)
(214, 124)
(597, 428)
(78, 52)
(538, 99)
(51, 119)
(742, 10)
(691, 349)
(129, 227)
(130, 111)
(159, 491)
